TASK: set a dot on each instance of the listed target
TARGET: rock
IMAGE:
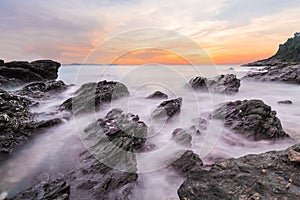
(90, 96)
(17, 123)
(285, 102)
(19, 72)
(40, 90)
(294, 156)
(252, 118)
(188, 163)
(112, 140)
(57, 189)
(1, 62)
(227, 84)
(266, 176)
(157, 95)
(279, 73)
(167, 109)
(182, 137)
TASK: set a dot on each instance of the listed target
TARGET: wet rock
(188, 163)
(157, 95)
(17, 123)
(294, 156)
(19, 72)
(168, 109)
(227, 84)
(57, 189)
(110, 172)
(252, 118)
(182, 137)
(285, 102)
(279, 73)
(90, 96)
(41, 90)
(266, 176)
(1, 62)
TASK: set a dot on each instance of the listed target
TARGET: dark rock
(227, 84)
(285, 102)
(40, 90)
(157, 95)
(267, 176)
(20, 72)
(252, 118)
(112, 141)
(17, 123)
(168, 108)
(279, 73)
(57, 189)
(1, 62)
(188, 163)
(182, 137)
(90, 96)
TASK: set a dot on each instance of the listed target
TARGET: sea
(55, 151)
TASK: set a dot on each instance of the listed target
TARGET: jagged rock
(40, 90)
(57, 189)
(157, 95)
(252, 118)
(17, 123)
(19, 72)
(112, 141)
(266, 176)
(294, 156)
(90, 96)
(227, 84)
(280, 73)
(188, 163)
(285, 102)
(167, 109)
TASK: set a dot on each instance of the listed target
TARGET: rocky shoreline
(108, 168)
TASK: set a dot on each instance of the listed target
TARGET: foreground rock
(112, 141)
(91, 96)
(20, 72)
(270, 175)
(252, 118)
(57, 189)
(157, 95)
(17, 123)
(227, 84)
(279, 73)
(42, 90)
(168, 109)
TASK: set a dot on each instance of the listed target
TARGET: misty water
(57, 150)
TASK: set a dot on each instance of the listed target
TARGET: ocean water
(57, 149)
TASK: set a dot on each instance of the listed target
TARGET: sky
(69, 31)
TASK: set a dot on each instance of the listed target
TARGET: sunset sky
(230, 31)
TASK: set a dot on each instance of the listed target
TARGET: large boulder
(39, 90)
(111, 171)
(252, 118)
(19, 72)
(47, 190)
(227, 84)
(17, 123)
(272, 175)
(91, 96)
(167, 109)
